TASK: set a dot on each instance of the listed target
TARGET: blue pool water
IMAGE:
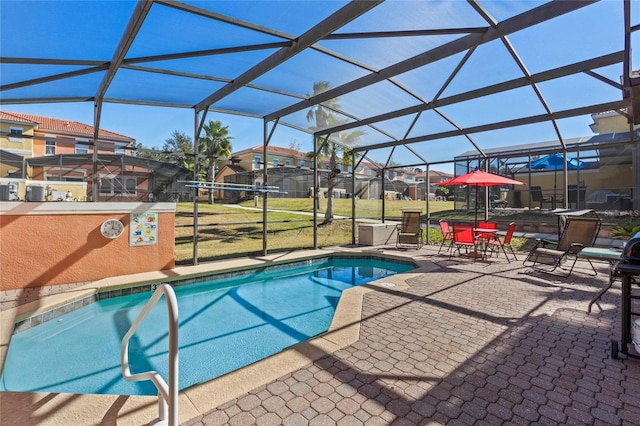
(225, 324)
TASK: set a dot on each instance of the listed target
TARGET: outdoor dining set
(478, 241)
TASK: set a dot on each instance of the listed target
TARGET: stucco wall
(51, 243)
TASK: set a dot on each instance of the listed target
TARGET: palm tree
(324, 116)
(322, 113)
(215, 143)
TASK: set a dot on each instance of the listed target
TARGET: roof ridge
(64, 125)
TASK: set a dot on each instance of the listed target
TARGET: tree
(442, 191)
(325, 116)
(178, 149)
(294, 145)
(142, 151)
(215, 143)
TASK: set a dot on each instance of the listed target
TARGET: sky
(151, 126)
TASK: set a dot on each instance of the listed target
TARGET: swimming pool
(226, 323)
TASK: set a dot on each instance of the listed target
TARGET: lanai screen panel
(417, 72)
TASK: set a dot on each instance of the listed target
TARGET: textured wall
(40, 246)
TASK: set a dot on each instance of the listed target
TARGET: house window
(50, 147)
(256, 162)
(276, 162)
(82, 146)
(287, 162)
(131, 185)
(118, 185)
(106, 186)
(15, 134)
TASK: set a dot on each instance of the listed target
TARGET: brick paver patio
(470, 343)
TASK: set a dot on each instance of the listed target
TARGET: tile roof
(273, 150)
(435, 173)
(235, 168)
(60, 125)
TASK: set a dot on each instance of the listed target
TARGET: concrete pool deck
(453, 342)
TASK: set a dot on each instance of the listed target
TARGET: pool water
(225, 324)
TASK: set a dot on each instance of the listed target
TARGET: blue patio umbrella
(555, 162)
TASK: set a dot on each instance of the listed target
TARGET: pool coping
(52, 408)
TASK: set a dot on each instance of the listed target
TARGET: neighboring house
(407, 175)
(252, 159)
(17, 134)
(56, 152)
(417, 190)
(32, 135)
(435, 177)
(290, 171)
(605, 173)
(609, 122)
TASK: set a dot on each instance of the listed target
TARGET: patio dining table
(482, 236)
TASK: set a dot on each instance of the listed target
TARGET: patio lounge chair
(447, 236)
(578, 233)
(495, 203)
(496, 244)
(410, 230)
(536, 196)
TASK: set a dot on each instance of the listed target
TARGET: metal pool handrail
(167, 393)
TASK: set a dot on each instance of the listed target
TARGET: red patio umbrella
(479, 178)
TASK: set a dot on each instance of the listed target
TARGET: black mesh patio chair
(578, 233)
(536, 196)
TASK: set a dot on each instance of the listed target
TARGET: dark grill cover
(630, 263)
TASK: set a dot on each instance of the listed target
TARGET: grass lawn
(370, 209)
(228, 231)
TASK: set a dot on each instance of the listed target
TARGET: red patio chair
(447, 236)
(496, 243)
(486, 236)
(463, 236)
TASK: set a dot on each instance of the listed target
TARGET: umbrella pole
(555, 186)
(475, 221)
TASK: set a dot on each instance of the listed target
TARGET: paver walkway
(471, 343)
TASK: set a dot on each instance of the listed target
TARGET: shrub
(626, 230)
